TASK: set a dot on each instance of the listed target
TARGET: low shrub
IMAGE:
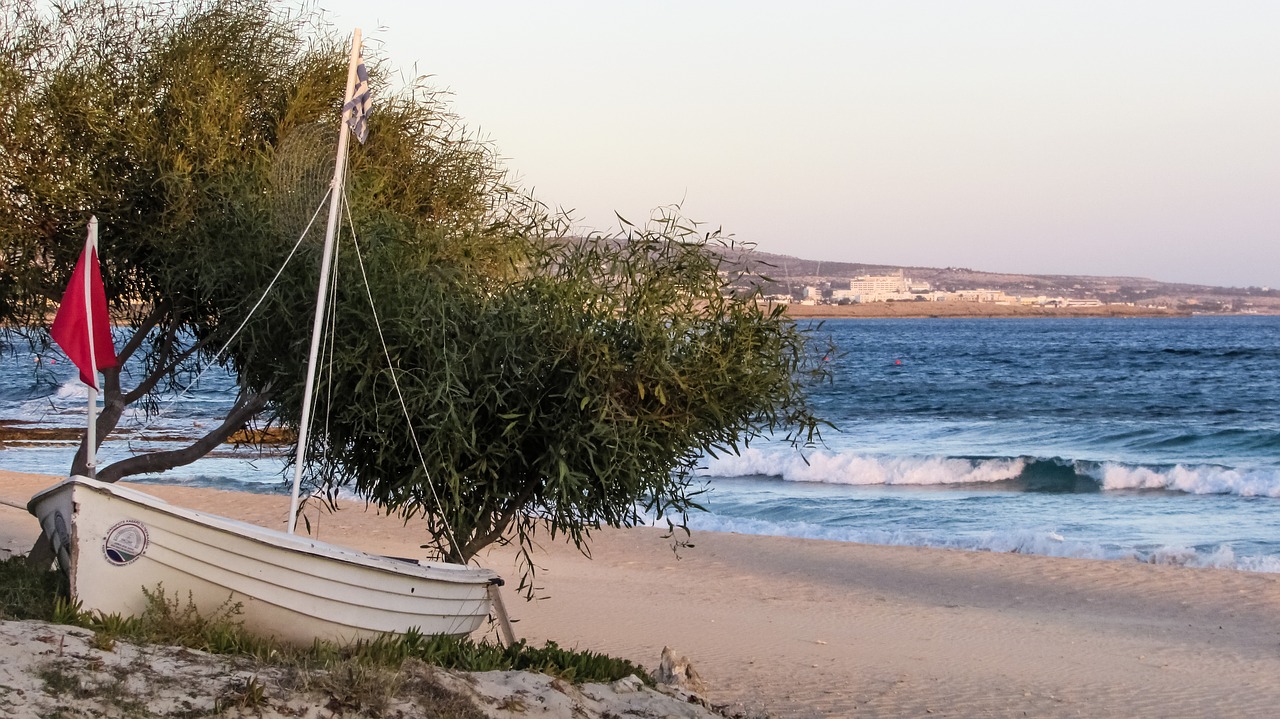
(34, 594)
(464, 654)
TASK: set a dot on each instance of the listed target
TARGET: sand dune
(809, 628)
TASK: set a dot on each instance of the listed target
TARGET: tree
(506, 379)
(581, 391)
(197, 133)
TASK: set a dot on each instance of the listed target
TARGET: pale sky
(1137, 137)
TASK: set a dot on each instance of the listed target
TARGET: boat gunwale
(277, 539)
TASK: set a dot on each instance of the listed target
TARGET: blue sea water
(1153, 440)
(1146, 439)
(41, 390)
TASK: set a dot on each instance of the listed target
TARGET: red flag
(82, 327)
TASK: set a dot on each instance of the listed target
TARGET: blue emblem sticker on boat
(125, 542)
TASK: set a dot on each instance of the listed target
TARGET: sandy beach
(807, 628)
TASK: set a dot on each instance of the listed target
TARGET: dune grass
(363, 678)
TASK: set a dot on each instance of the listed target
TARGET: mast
(91, 432)
(335, 201)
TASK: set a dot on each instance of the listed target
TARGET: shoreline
(975, 310)
(813, 628)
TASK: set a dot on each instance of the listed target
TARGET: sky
(1134, 137)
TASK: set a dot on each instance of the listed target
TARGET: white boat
(116, 541)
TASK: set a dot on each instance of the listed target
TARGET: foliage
(580, 392)
(169, 621)
(197, 133)
(463, 654)
(243, 694)
(514, 379)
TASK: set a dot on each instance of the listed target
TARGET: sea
(1129, 439)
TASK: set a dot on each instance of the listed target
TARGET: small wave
(1207, 441)
(1204, 479)
(1227, 353)
(70, 389)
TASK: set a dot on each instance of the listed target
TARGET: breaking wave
(1033, 474)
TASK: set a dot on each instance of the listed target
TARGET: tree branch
(244, 410)
(498, 528)
(154, 378)
(114, 399)
(106, 421)
(141, 331)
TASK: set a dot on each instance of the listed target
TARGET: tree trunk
(500, 522)
(245, 409)
(167, 356)
(112, 410)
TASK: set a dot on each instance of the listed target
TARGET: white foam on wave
(861, 469)
(65, 406)
(1192, 479)
(1047, 543)
(853, 468)
(70, 389)
(68, 399)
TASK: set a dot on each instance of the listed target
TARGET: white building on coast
(881, 288)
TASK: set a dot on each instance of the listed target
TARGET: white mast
(91, 438)
(335, 200)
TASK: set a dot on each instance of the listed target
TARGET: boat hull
(114, 542)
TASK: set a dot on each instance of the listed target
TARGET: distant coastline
(873, 310)
(793, 279)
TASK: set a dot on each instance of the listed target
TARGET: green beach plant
(249, 693)
(169, 620)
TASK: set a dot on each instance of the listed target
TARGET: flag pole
(91, 433)
(74, 330)
(335, 199)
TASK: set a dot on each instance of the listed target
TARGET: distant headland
(817, 288)
(958, 309)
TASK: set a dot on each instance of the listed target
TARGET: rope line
(183, 392)
(404, 406)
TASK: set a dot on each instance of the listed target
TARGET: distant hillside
(791, 274)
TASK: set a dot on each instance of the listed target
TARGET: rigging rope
(404, 407)
(183, 392)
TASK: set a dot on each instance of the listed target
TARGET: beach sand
(806, 628)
